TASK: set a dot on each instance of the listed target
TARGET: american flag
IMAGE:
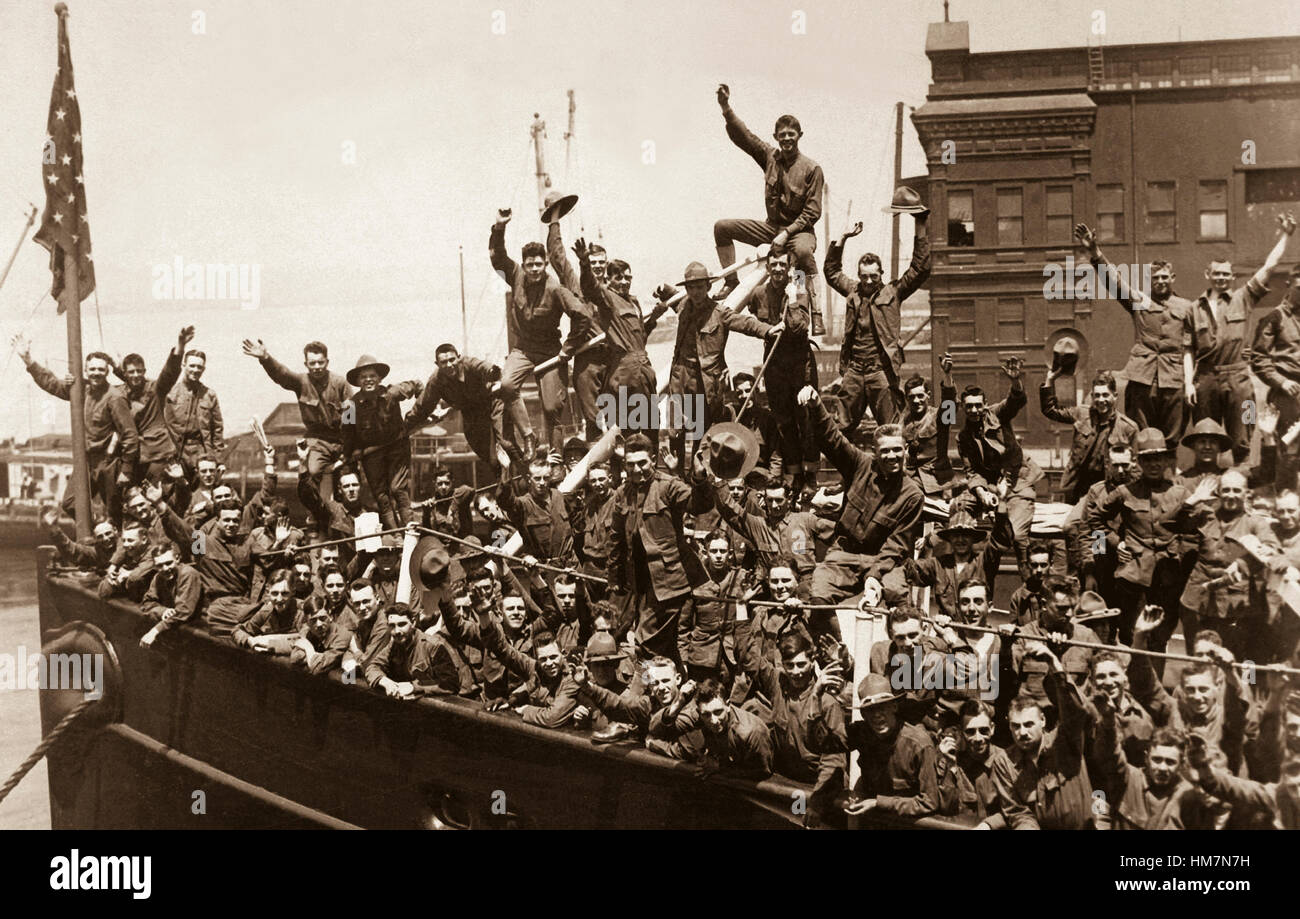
(64, 227)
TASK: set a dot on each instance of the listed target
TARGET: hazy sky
(229, 146)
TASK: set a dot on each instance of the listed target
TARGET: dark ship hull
(269, 746)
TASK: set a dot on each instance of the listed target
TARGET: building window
(1155, 68)
(1011, 320)
(1276, 61)
(1212, 203)
(1161, 217)
(1060, 213)
(1110, 213)
(1190, 65)
(1234, 63)
(961, 217)
(1011, 218)
(1272, 186)
(1118, 70)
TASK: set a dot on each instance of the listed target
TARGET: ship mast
(898, 180)
(568, 136)
(538, 131)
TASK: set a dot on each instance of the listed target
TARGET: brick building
(1178, 151)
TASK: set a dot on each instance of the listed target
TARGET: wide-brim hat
(364, 361)
(731, 450)
(602, 648)
(1065, 356)
(875, 690)
(1150, 441)
(1208, 427)
(555, 205)
(429, 563)
(1091, 602)
(696, 271)
(962, 522)
(906, 201)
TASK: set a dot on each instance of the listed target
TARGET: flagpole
(71, 296)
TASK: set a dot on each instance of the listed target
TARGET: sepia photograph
(594, 415)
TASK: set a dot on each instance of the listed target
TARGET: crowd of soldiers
(646, 586)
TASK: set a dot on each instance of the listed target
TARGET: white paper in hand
(366, 525)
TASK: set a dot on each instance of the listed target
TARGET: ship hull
(209, 735)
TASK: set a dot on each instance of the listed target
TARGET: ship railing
(776, 793)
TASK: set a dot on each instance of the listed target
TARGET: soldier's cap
(732, 450)
(1091, 602)
(1065, 355)
(556, 204)
(575, 444)
(601, 647)
(875, 690)
(1150, 441)
(905, 201)
(961, 521)
(1207, 427)
(696, 271)
(363, 362)
(429, 562)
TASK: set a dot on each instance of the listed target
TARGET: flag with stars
(64, 227)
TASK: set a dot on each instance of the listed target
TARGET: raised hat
(364, 361)
(1065, 355)
(434, 573)
(695, 272)
(555, 205)
(875, 690)
(906, 201)
(429, 563)
(961, 521)
(1150, 440)
(1208, 427)
(731, 450)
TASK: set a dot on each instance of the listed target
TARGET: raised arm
(59, 388)
(834, 269)
(494, 643)
(1010, 407)
(843, 455)
(1258, 283)
(559, 261)
(1047, 402)
(501, 262)
(740, 135)
(281, 374)
(918, 272)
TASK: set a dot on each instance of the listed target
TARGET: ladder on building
(1096, 68)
